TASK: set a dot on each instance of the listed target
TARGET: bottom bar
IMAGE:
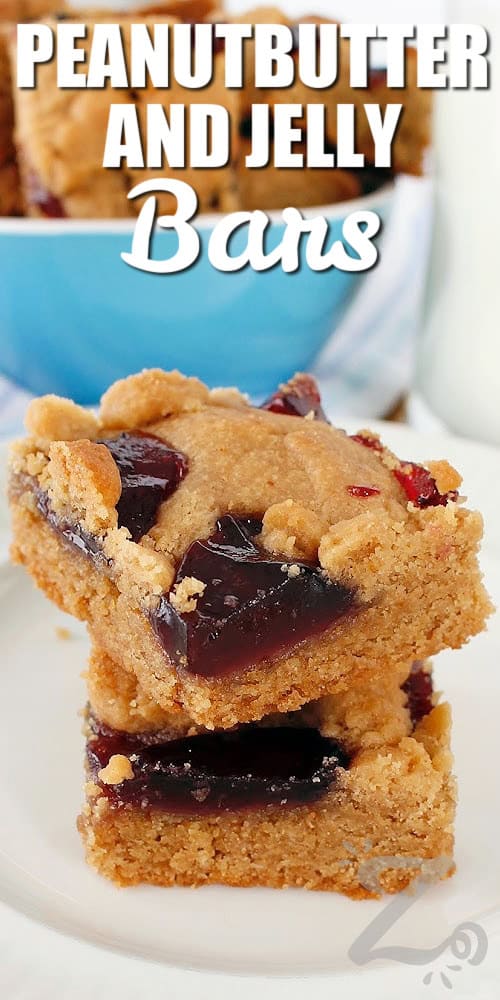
(353, 794)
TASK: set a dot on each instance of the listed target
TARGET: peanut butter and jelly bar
(12, 12)
(61, 138)
(353, 793)
(236, 560)
(295, 186)
(413, 135)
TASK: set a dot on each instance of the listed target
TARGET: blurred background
(417, 336)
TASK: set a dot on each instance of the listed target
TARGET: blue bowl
(74, 317)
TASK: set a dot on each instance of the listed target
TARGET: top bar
(241, 561)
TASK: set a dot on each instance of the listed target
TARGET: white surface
(253, 932)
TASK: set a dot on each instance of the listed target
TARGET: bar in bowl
(413, 135)
(13, 12)
(61, 136)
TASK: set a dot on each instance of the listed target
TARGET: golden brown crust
(149, 396)
(370, 714)
(119, 701)
(393, 806)
(52, 418)
(366, 716)
(83, 483)
(122, 630)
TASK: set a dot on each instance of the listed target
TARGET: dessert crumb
(63, 633)
(184, 596)
(445, 476)
(118, 769)
(292, 571)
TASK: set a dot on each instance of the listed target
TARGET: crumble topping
(292, 530)
(231, 397)
(52, 418)
(446, 477)
(117, 770)
(147, 397)
(185, 593)
(292, 571)
(83, 478)
(139, 569)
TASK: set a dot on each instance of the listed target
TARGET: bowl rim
(56, 227)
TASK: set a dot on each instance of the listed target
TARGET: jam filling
(47, 203)
(297, 398)
(250, 768)
(419, 690)
(253, 607)
(150, 472)
(416, 481)
(368, 442)
(363, 492)
(377, 78)
(421, 488)
(82, 540)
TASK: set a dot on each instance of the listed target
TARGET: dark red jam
(297, 399)
(417, 482)
(47, 203)
(82, 540)
(377, 78)
(363, 492)
(420, 487)
(419, 689)
(368, 442)
(150, 472)
(250, 768)
(254, 606)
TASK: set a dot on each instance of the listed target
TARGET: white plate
(250, 932)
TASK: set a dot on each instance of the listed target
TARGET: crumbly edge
(82, 482)
(370, 714)
(424, 611)
(61, 455)
(394, 802)
(119, 701)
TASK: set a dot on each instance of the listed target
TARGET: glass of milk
(458, 377)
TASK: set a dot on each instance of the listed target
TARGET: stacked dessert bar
(43, 129)
(262, 593)
(53, 141)
(11, 12)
